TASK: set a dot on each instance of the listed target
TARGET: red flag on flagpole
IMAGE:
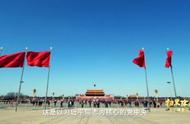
(39, 59)
(140, 60)
(12, 60)
(168, 63)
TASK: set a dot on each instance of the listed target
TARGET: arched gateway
(95, 94)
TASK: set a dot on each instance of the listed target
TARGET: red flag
(140, 60)
(168, 63)
(12, 60)
(39, 59)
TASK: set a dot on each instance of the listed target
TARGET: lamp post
(168, 82)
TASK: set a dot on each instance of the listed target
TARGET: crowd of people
(95, 103)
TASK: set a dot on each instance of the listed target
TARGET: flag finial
(50, 47)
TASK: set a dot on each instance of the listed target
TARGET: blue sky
(96, 41)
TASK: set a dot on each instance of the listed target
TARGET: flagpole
(48, 77)
(172, 74)
(1, 50)
(147, 89)
(146, 80)
(21, 81)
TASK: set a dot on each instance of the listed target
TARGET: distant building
(94, 94)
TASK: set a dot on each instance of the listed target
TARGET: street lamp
(168, 82)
